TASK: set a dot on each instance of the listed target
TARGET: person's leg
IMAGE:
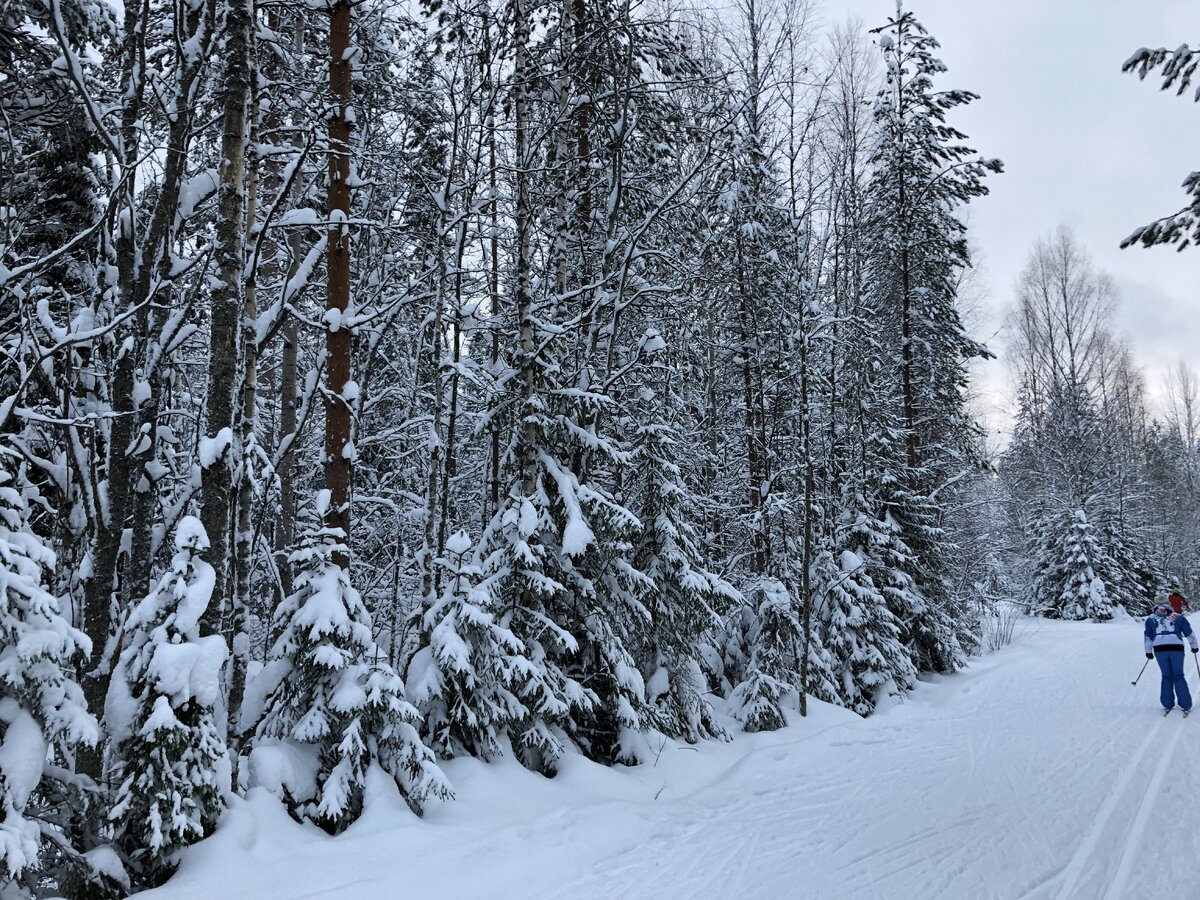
(1166, 693)
(1179, 676)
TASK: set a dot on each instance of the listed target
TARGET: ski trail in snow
(1111, 802)
(1036, 773)
(1116, 889)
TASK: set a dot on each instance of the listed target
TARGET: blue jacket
(1167, 633)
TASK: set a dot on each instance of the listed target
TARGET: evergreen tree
(1178, 68)
(169, 761)
(682, 594)
(1130, 576)
(1067, 585)
(464, 681)
(337, 694)
(42, 710)
(860, 631)
(922, 176)
(770, 673)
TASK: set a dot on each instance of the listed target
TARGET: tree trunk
(338, 448)
(228, 298)
(285, 533)
(523, 223)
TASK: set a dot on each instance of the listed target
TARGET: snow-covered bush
(463, 680)
(335, 691)
(169, 760)
(42, 710)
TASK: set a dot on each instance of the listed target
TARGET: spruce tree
(42, 710)
(682, 595)
(1178, 69)
(1067, 585)
(769, 677)
(169, 759)
(861, 632)
(337, 694)
(464, 682)
(923, 175)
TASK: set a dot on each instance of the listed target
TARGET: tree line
(380, 385)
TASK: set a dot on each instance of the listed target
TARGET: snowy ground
(1038, 773)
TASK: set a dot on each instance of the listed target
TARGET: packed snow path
(1038, 773)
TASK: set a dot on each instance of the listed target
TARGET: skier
(1177, 601)
(1164, 634)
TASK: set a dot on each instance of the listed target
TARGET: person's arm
(1148, 634)
(1186, 628)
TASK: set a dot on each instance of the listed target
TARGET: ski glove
(1151, 655)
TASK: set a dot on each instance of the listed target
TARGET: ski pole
(1146, 663)
(1197, 663)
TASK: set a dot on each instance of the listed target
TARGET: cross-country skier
(1165, 632)
(1178, 602)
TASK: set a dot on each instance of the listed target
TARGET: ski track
(1119, 885)
(1088, 848)
(1038, 773)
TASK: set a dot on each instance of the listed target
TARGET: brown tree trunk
(338, 461)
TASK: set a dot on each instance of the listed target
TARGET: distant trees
(1078, 467)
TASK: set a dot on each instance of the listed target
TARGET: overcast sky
(1083, 145)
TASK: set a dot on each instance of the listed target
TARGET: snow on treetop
(459, 544)
(190, 534)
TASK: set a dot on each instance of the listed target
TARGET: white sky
(1083, 145)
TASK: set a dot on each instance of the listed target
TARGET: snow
(212, 449)
(104, 859)
(1039, 772)
(141, 392)
(190, 670)
(22, 752)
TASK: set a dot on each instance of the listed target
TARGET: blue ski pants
(1174, 684)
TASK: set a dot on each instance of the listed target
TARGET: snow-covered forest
(386, 383)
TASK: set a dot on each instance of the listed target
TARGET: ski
(1185, 713)
(1166, 712)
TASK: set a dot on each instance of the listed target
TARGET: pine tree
(337, 694)
(169, 761)
(42, 709)
(464, 681)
